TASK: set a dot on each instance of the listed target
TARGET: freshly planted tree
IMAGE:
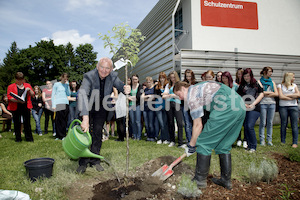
(123, 42)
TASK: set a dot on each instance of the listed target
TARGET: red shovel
(166, 171)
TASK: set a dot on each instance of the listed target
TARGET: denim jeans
(249, 123)
(161, 116)
(156, 126)
(292, 112)
(73, 114)
(188, 124)
(135, 121)
(37, 118)
(267, 112)
(149, 123)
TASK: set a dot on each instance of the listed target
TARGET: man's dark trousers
(96, 120)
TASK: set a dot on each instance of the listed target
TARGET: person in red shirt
(20, 106)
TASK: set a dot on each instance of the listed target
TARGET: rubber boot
(225, 164)
(202, 169)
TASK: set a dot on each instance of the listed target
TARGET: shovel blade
(166, 175)
(160, 171)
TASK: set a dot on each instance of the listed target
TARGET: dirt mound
(140, 184)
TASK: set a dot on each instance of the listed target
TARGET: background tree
(46, 61)
(9, 67)
(84, 61)
(124, 43)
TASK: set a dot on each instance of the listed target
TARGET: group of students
(159, 108)
(155, 105)
(57, 102)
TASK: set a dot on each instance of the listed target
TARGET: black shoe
(99, 168)
(81, 169)
(119, 140)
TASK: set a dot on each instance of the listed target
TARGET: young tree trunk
(127, 127)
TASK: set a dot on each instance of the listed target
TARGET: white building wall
(278, 34)
(278, 30)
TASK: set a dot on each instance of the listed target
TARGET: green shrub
(266, 171)
(270, 170)
(255, 173)
(294, 154)
(187, 187)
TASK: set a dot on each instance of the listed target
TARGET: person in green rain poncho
(227, 114)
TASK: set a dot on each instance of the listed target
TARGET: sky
(77, 21)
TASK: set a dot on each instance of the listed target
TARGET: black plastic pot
(39, 167)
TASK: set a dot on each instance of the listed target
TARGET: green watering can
(76, 144)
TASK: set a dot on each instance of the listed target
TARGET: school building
(221, 35)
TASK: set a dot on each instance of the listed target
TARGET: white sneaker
(166, 142)
(239, 143)
(159, 142)
(182, 146)
(270, 144)
(172, 144)
(40, 134)
(252, 151)
(245, 145)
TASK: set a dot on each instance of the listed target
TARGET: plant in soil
(266, 171)
(270, 170)
(187, 187)
(286, 192)
(255, 173)
(294, 154)
(127, 41)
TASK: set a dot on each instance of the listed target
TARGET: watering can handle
(77, 120)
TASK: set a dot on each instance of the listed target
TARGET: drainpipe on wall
(173, 32)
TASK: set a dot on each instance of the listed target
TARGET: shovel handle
(177, 161)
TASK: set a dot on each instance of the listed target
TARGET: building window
(178, 23)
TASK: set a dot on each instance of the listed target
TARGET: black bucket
(39, 167)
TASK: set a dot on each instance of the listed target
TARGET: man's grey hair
(103, 60)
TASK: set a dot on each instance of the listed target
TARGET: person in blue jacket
(60, 105)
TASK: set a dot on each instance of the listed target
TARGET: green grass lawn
(13, 155)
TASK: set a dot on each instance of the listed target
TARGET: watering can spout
(87, 153)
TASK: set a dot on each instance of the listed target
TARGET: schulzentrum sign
(226, 13)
